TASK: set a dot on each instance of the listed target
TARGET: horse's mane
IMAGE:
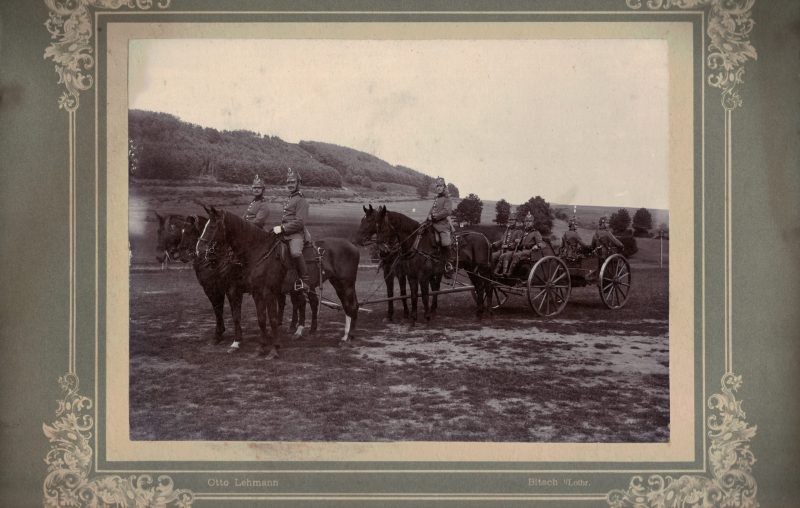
(247, 232)
(402, 221)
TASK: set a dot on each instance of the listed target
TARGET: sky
(575, 121)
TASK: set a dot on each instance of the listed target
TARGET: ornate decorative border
(69, 464)
(68, 482)
(70, 23)
(731, 483)
(729, 48)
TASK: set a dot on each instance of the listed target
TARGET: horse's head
(190, 234)
(385, 232)
(213, 234)
(169, 236)
(368, 228)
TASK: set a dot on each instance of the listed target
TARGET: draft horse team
(234, 255)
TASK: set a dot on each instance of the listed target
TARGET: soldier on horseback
(530, 243)
(257, 211)
(439, 218)
(571, 242)
(293, 227)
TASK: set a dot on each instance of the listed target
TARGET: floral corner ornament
(68, 482)
(729, 48)
(731, 484)
(70, 27)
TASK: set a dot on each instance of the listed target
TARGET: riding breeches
(444, 238)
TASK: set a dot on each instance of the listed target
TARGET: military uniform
(440, 219)
(505, 248)
(604, 240)
(257, 212)
(571, 243)
(532, 241)
(293, 222)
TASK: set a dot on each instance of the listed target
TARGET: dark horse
(220, 273)
(391, 261)
(265, 262)
(218, 276)
(424, 265)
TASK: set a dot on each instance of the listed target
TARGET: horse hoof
(271, 355)
(233, 350)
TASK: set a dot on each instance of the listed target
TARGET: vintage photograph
(362, 240)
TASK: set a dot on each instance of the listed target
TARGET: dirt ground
(588, 375)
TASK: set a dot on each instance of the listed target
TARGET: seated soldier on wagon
(504, 249)
(572, 246)
(603, 241)
(530, 243)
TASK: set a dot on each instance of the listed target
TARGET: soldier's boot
(302, 283)
(505, 268)
(512, 266)
(444, 253)
(498, 268)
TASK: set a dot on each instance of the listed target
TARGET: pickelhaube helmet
(439, 181)
(529, 218)
(258, 182)
(603, 222)
(573, 223)
(292, 175)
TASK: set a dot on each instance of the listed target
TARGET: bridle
(211, 246)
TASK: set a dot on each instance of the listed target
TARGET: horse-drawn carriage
(546, 280)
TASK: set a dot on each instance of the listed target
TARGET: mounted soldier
(603, 240)
(571, 243)
(439, 218)
(505, 248)
(293, 227)
(257, 211)
(530, 243)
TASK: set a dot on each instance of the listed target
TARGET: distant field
(338, 214)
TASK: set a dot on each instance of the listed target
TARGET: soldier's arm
(261, 216)
(445, 210)
(616, 241)
(297, 224)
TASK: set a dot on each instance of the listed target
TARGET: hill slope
(170, 149)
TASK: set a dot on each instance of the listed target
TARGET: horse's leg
(295, 309)
(299, 304)
(346, 291)
(436, 283)
(401, 281)
(281, 307)
(217, 298)
(313, 300)
(414, 286)
(235, 295)
(271, 304)
(388, 279)
(425, 286)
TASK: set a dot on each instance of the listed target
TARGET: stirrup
(299, 285)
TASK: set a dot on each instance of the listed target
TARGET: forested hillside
(164, 147)
(361, 168)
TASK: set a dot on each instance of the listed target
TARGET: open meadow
(588, 375)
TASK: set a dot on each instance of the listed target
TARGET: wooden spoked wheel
(548, 286)
(614, 282)
(499, 297)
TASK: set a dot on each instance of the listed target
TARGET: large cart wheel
(499, 297)
(548, 286)
(614, 282)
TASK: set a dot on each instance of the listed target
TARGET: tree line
(164, 147)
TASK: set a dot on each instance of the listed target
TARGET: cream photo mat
(682, 333)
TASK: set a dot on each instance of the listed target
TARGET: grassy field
(588, 375)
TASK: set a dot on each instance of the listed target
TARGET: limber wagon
(546, 281)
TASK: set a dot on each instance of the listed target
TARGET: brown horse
(222, 270)
(391, 261)
(424, 264)
(265, 263)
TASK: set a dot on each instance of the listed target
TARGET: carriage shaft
(430, 293)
